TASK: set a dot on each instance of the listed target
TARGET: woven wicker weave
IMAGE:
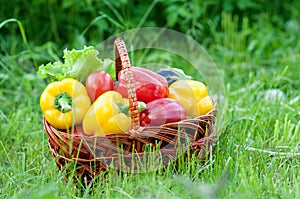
(124, 151)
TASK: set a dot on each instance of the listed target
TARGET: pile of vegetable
(83, 94)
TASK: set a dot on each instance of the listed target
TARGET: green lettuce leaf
(109, 67)
(76, 64)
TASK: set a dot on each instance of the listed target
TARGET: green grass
(257, 154)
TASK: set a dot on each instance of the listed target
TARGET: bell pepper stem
(125, 108)
(141, 106)
(65, 107)
(63, 102)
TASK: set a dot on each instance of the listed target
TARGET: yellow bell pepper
(193, 95)
(106, 116)
(64, 102)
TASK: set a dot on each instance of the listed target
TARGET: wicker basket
(124, 151)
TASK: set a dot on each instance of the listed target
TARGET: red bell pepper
(162, 111)
(149, 85)
(98, 83)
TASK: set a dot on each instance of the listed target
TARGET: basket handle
(122, 62)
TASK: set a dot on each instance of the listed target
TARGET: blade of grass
(23, 34)
(92, 23)
(117, 24)
(115, 11)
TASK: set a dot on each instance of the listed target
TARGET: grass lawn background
(256, 47)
